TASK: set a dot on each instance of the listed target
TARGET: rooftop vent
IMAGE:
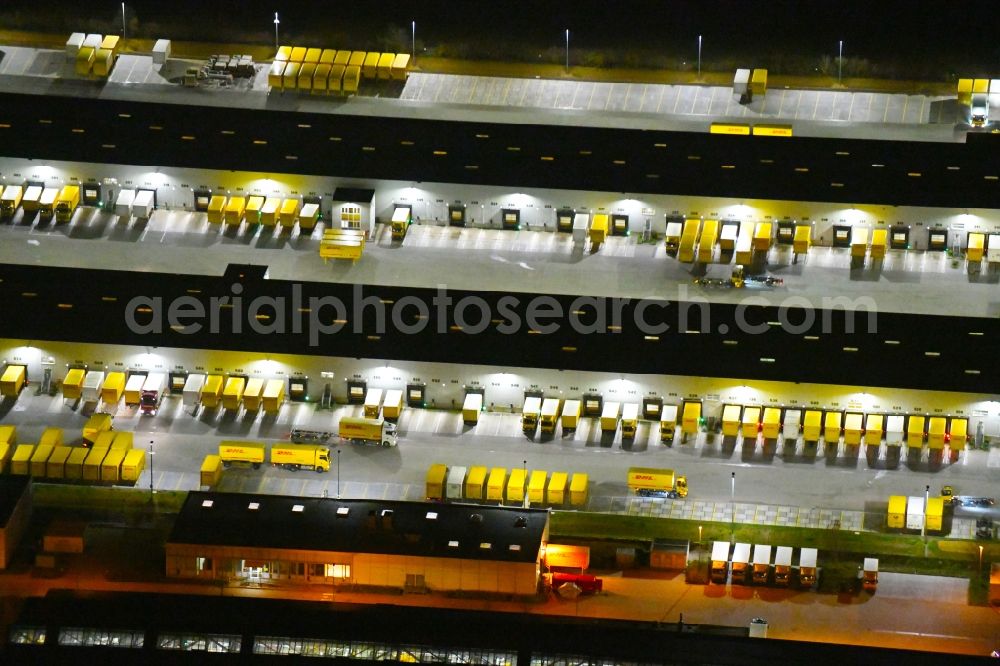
(432, 515)
(521, 521)
(342, 511)
(207, 504)
(298, 508)
(476, 518)
(253, 506)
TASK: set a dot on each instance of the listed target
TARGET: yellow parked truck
(653, 482)
(550, 414)
(529, 413)
(10, 200)
(67, 202)
(13, 380)
(301, 456)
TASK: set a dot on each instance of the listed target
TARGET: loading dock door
(619, 225)
(564, 220)
(937, 239)
(786, 233)
(841, 235)
(356, 391)
(593, 403)
(899, 238)
(510, 218)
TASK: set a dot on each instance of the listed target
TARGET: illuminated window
(337, 571)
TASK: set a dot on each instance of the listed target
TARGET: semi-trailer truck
(299, 456)
(152, 393)
(653, 482)
(529, 413)
(66, 204)
(10, 200)
(979, 108)
(367, 431)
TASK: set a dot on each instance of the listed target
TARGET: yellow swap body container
(536, 487)
(39, 459)
(974, 251)
(12, 380)
(555, 494)
(751, 422)
(812, 425)
(211, 391)
(802, 239)
(516, 484)
(72, 387)
(731, 420)
(879, 237)
(133, 464)
(216, 208)
(831, 426)
(709, 235)
(691, 417)
(915, 432)
(74, 463)
(935, 432)
(92, 465)
(20, 461)
(958, 434)
(852, 428)
(252, 394)
(772, 422)
(113, 388)
(495, 484)
(56, 465)
(289, 212)
(475, 483)
(897, 512)
(233, 393)
(578, 486)
(873, 429)
(6, 451)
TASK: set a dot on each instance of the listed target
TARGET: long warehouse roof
(743, 341)
(546, 156)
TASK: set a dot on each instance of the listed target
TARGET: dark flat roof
(366, 527)
(482, 153)
(12, 488)
(814, 354)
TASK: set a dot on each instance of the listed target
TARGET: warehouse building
(15, 510)
(358, 543)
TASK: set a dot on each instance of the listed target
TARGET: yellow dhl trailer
(74, 463)
(516, 485)
(609, 416)
(51, 437)
(471, 407)
(343, 58)
(252, 394)
(235, 209)
(39, 459)
(289, 212)
(72, 387)
(274, 393)
(10, 200)
(873, 429)
(599, 229)
(211, 470)
(935, 513)
(897, 512)
(133, 389)
(6, 451)
(803, 238)
(327, 56)
(56, 465)
(859, 242)
(111, 466)
(536, 487)
(750, 424)
(211, 392)
(67, 202)
(434, 485)
(334, 81)
(685, 251)
(133, 464)
(758, 82)
(13, 380)
(313, 55)
(936, 432)
(762, 237)
(250, 453)
(578, 489)
(706, 246)
(555, 493)
(495, 484)
(20, 461)
(275, 74)
(772, 422)
(853, 428)
(831, 426)
(731, 416)
(320, 78)
(298, 54)
(475, 483)
(95, 425)
(306, 74)
(252, 213)
(92, 464)
(400, 66)
(122, 441)
(290, 75)
(392, 405)
(691, 418)
(113, 388)
(402, 217)
(104, 440)
(812, 425)
(915, 432)
(352, 79)
(384, 67)
(958, 434)
(369, 69)
(216, 209)
(879, 237)
(233, 393)
(269, 211)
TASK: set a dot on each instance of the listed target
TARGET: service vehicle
(367, 431)
(298, 456)
(654, 482)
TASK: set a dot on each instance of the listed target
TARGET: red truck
(588, 584)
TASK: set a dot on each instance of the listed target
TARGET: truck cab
(979, 114)
(869, 579)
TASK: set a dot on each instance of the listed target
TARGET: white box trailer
(73, 45)
(455, 485)
(92, 40)
(993, 246)
(914, 512)
(192, 390)
(161, 51)
(741, 82)
(790, 423)
(894, 430)
(142, 205)
(91, 389)
(581, 225)
(123, 204)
